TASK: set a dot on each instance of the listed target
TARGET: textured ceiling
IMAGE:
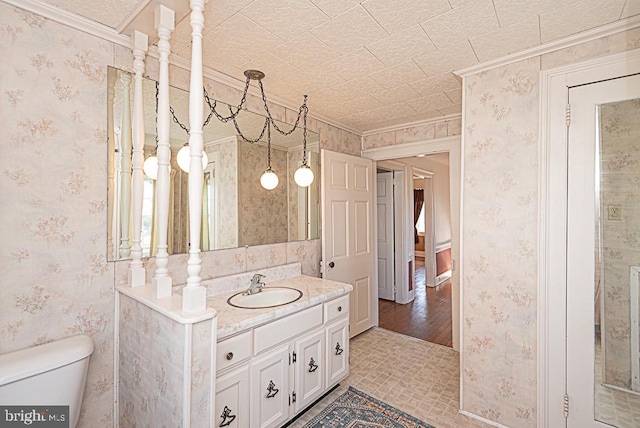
(374, 63)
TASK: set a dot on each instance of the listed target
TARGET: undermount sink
(268, 297)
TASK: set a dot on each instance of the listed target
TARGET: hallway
(428, 317)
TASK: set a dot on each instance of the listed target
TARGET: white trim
(480, 418)
(72, 20)
(619, 388)
(456, 258)
(552, 213)
(565, 42)
(634, 284)
(415, 148)
(443, 246)
(429, 121)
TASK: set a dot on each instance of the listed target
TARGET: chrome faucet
(256, 284)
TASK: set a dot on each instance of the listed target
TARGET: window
(420, 223)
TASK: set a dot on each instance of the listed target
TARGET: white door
(386, 236)
(348, 244)
(583, 217)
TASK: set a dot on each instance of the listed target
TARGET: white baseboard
(443, 277)
(480, 418)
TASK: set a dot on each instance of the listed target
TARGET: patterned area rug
(355, 409)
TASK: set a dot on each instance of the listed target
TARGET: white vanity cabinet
(270, 373)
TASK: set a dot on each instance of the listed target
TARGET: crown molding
(565, 42)
(72, 20)
(412, 124)
(110, 34)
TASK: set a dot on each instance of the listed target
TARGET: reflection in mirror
(617, 362)
(236, 210)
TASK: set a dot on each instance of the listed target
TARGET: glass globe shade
(184, 158)
(303, 176)
(150, 167)
(269, 180)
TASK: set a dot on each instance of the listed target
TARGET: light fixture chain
(157, 94)
(275, 125)
(269, 146)
(213, 104)
(249, 140)
(304, 131)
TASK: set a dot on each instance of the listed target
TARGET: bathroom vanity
(272, 363)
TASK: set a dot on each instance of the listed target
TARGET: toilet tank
(53, 374)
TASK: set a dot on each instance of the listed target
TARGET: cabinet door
(337, 352)
(309, 369)
(270, 389)
(232, 404)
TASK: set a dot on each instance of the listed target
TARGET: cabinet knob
(339, 349)
(229, 356)
(339, 308)
(227, 417)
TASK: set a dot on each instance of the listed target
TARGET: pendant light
(269, 179)
(304, 175)
(184, 158)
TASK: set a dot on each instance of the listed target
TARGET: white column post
(139, 45)
(111, 191)
(164, 23)
(194, 295)
(125, 170)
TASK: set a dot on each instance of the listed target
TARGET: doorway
(421, 307)
(587, 315)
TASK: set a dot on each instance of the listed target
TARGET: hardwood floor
(428, 317)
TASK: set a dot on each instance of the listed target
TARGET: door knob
(331, 264)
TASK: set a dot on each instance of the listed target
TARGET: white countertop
(233, 320)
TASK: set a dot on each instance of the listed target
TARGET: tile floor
(417, 377)
(614, 407)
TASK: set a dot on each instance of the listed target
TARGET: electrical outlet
(614, 212)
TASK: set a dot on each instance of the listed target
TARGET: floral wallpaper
(429, 131)
(227, 179)
(151, 348)
(500, 181)
(500, 209)
(619, 187)
(55, 281)
(262, 214)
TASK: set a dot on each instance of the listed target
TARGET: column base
(194, 299)
(136, 277)
(162, 286)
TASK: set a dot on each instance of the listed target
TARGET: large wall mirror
(237, 211)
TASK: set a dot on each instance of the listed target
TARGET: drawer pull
(339, 350)
(272, 390)
(229, 356)
(339, 308)
(312, 366)
(227, 417)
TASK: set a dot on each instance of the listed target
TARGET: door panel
(270, 389)
(590, 173)
(385, 235)
(347, 232)
(310, 367)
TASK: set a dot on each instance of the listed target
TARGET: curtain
(204, 231)
(153, 242)
(418, 200)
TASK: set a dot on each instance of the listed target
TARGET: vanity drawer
(286, 328)
(233, 350)
(336, 308)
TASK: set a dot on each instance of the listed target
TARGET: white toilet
(53, 374)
